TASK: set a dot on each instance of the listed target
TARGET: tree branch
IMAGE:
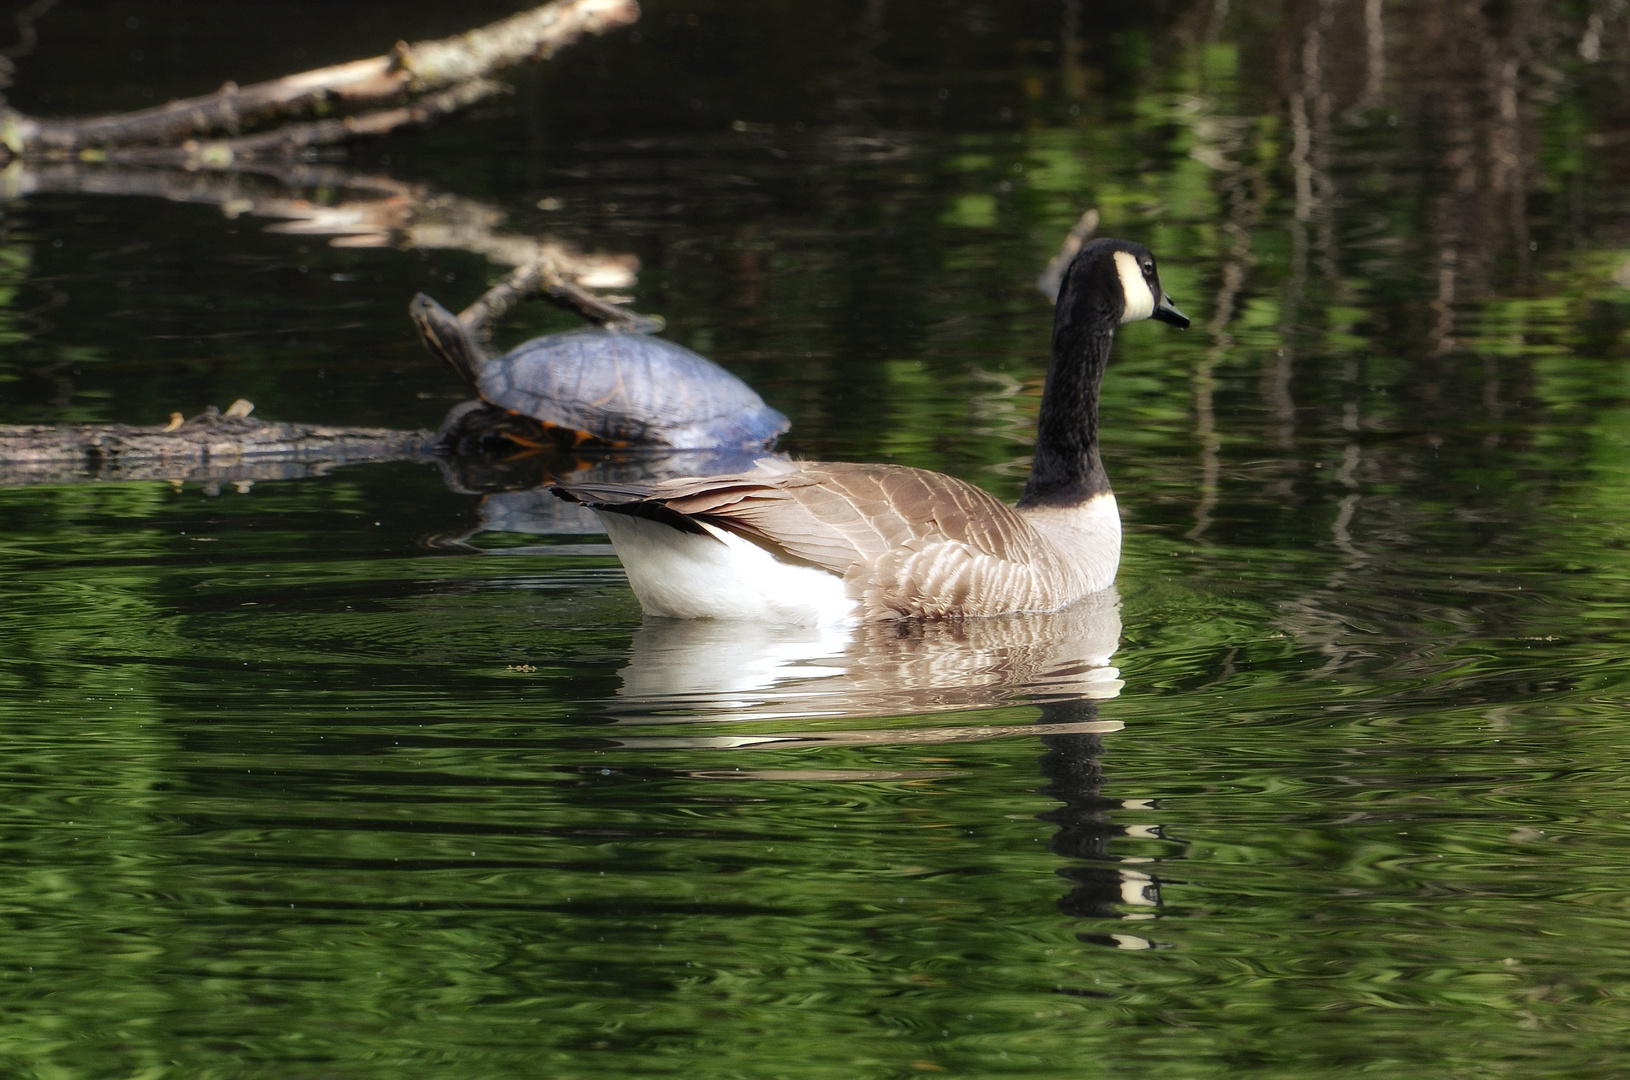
(287, 140)
(407, 70)
(546, 275)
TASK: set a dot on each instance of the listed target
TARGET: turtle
(595, 388)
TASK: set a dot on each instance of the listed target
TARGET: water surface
(361, 774)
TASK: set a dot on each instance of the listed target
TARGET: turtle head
(447, 339)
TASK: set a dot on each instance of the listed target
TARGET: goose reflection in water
(734, 671)
(689, 674)
(1107, 886)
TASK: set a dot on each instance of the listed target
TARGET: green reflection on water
(293, 787)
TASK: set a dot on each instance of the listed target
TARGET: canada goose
(820, 542)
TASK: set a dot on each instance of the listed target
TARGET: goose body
(816, 543)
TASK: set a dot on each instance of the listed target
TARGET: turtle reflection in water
(593, 389)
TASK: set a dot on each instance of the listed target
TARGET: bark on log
(212, 446)
(406, 71)
(289, 139)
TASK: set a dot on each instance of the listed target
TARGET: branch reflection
(354, 209)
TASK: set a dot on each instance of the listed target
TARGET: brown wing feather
(908, 542)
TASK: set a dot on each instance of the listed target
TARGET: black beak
(1166, 313)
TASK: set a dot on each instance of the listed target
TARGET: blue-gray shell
(630, 389)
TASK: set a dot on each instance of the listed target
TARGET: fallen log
(212, 447)
(457, 68)
(287, 140)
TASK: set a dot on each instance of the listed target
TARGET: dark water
(352, 775)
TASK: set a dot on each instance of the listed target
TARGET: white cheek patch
(1140, 302)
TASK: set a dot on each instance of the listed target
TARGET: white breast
(721, 576)
(1089, 536)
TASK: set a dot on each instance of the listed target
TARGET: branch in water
(1052, 277)
(287, 140)
(547, 276)
(408, 69)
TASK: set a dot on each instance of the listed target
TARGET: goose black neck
(1067, 469)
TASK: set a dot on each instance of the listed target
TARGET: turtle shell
(630, 390)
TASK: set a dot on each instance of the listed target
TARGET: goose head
(1112, 282)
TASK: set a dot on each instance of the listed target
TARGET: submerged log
(212, 446)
